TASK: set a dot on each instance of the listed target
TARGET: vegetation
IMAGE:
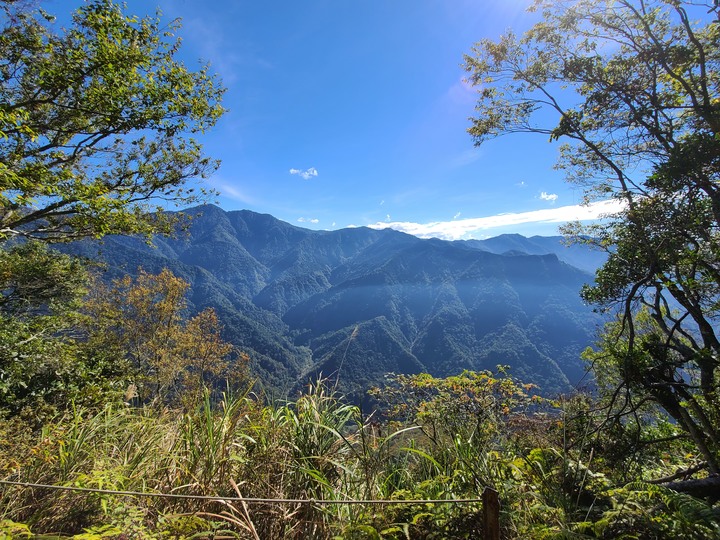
(62, 345)
(168, 356)
(633, 87)
(40, 294)
(441, 439)
(95, 123)
(113, 391)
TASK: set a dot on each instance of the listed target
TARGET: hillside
(359, 303)
(577, 255)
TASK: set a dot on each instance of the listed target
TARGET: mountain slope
(357, 303)
(577, 255)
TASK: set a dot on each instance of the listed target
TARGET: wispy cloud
(308, 220)
(462, 92)
(466, 157)
(305, 175)
(457, 215)
(226, 189)
(548, 196)
(213, 43)
(464, 228)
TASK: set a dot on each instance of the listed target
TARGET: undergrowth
(436, 439)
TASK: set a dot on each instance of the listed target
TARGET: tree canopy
(40, 293)
(169, 356)
(96, 127)
(96, 122)
(631, 87)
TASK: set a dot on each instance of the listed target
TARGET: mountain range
(355, 304)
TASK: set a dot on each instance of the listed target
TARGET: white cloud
(308, 220)
(305, 175)
(548, 196)
(387, 218)
(457, 215)
(382, 202)
(464, 228)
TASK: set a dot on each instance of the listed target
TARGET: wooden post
(491, 514)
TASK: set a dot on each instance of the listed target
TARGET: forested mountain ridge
(358, 303)
(574, 254)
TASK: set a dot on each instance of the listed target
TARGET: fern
(642, 508)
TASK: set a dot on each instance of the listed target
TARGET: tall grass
(317, 448)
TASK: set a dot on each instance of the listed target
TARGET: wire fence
(489, 500)
(259, 500)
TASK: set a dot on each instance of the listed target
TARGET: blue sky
(354, 112)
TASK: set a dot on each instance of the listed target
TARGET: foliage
(94, 122)
(37, 281)
(463, 423)
(58, 346)
(93, 128)
(144, 323)
(552, 476)
(649, 511)
(561, 466)
(40, 293)
(632, 85)
(472, 405)
(9, 530)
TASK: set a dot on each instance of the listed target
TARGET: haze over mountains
(355, 304)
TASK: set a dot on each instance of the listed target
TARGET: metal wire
(250, 500)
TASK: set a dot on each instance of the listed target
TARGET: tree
(40, 292)
(143, 323)
(473, 406)
(631, 86)
(95, 123)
